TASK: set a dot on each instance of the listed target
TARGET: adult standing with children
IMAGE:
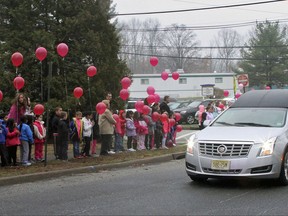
(106, 129)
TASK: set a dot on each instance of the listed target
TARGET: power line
(199, 9)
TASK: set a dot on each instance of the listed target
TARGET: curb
(5, 181)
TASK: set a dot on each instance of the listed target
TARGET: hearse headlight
(268, 147)
(193, 140)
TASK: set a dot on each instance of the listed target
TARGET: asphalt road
(162, 189)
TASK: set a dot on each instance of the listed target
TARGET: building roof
(263, 98)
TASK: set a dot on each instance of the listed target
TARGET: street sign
(243, 78)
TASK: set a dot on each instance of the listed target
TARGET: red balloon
(155, 116)
(237, 95)
(19, 82)
(100, 108)
(150, 99)
(226, 93)
(41, 53)
(150, 90)
(146, 110)
(78, 92)
(116, 117)
(17, 59)
(124, 94)
(38, 109)
(267, 87)
(139, 106)
(125, 82)
(163, 117)
(177, 116)
(153, 61)
(91, 71)
(1, 95)
(164, 75)
(175, 75)
(157, 98)
(62, 49)
(179, 128)
(172, 122)
(221, 106)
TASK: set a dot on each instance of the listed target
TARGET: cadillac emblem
(221, 149)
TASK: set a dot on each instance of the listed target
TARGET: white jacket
(87, 130)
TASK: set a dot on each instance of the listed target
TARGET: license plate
(220, 164)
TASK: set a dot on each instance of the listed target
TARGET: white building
(187, 86)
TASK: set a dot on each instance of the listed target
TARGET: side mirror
(206, 123)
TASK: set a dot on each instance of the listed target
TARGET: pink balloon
(237, 95)
(100, 108)
(177, 116)
(19, 82)
(221, 106)
(17, 59)
(116, 117)
(124, 94)
(164, 75)
(163, 117)
(179, 128)
(175, 75)
(91, 71)
(226, 93)
(150, 99)
(41, 53)
(38, 109)
(78, 92)
(1, 95)
(172, 122)
(267, 87)
(125, 82)
(146, 110)
(150, 90)
(157, 98)
(153, 61)
(62, 49)
(139, 106)
(155, 116)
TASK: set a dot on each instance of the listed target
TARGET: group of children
(24, 135)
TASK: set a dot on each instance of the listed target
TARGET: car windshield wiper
(224, 123)
(252, 124)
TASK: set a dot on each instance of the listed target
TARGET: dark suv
(188, 112)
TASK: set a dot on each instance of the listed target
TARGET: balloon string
(16, 71)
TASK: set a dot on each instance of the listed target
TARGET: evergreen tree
(266, 60)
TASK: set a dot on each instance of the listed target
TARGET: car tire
(198, 178)
(283, 178)
(190, 119)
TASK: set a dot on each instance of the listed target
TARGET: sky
(224, 16)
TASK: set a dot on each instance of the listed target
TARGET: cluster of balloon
(100, 108)
(125, 82)
(237, 95)
(177, 116)
(164, 75)
(1, 95)
(154, 61)
(38, 109)
(139, 106)
(91, 71)
(41, 53)
(146, 110)
(124, 94)
(175, 75)
(226, 93)
(179, 128)
(18, 82)
(62, 49)
(78, 92)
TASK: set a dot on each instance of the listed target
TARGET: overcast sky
(271, 11)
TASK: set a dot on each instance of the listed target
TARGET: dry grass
(53, 165)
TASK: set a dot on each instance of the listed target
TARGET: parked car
(249, 139)
(188, 112)
(178, 104)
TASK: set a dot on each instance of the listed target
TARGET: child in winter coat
(76, 135)
(12, 141)
(141, 130)
(26, 137)
(3, 150)
(120, 131)
(130, 130)
(39, 134)
(165, 129)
